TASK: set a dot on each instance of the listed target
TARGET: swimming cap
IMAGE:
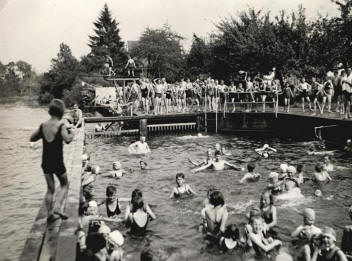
(283, 167)
(330, 232)
(95, 169)
(104, 229)
(291, 169)
(116, 165)
(318, 193)
(92, 204)
(265, 146)
(273, 175)
(309, 213)
(116, 238)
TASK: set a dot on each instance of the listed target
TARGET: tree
(62, 74)
(163, 52)
(343, 29)
(105, 43)
(198, 58)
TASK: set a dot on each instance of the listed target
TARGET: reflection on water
(22, 185)
(174, 233)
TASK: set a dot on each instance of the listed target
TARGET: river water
(174, 233)
(22, 185)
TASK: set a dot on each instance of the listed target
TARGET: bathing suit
(328, 88)
(213, 229)
(211, 92)
(158, 95)
(117, 210)
(287, 93)
(52, 158)
(267, 215)
(182, 194)
(332, 256)
(136, 230)
(168, 94)
(144, 92)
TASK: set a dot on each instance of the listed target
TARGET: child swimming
(320, 174)
(306, 230)
(217, 164)
(290, 182)
(265, 151)
(215, 216)
(346, 242)
(182, 189)
(139, 147)
(250, 176)
(327, 250)
(268, 210)
(328, 165)
(274, 185)
(260, 244)
(138, 214)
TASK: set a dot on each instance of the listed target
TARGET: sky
(32, 30)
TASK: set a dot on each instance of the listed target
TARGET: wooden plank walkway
(57, 241)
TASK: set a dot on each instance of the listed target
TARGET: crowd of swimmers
(159, 97)
(258, 237)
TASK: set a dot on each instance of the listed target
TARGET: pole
(216, 111)
(277, 102)
(205, 111)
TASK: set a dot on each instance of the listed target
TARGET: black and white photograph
(175, 130)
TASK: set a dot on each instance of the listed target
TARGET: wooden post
(143, 130)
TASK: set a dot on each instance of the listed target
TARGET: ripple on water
(174, 233)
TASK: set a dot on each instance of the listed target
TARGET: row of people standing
(158, 97)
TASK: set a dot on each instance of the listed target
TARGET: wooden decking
(57, 241)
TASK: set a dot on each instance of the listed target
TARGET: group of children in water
(257, 238)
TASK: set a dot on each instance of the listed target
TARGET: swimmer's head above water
(143, 164)
(116, 165)
(142, 139)
(283, 167)
(308, 216)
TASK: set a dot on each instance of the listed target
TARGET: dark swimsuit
(117, 210)
(184, 194)
(144, 92)
(136, 230)
(52, 158)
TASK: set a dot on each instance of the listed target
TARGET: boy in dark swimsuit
(53, 132)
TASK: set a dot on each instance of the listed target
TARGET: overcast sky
(32, 30)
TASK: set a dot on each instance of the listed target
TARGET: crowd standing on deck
(160, 97)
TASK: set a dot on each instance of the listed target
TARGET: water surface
(174, 233)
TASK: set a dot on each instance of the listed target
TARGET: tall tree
(62, 74)
(198, 58)
(343, 29)
(105, 43)
(163, 52)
